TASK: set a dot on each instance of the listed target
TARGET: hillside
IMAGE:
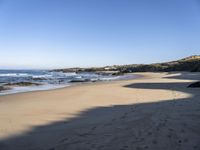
(191, 63)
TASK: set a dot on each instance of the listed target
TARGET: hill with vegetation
(191, 63)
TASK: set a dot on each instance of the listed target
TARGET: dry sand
(156, 112)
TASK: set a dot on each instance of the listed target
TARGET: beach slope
(154, 112)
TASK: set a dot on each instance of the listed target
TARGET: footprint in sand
(125, 146)
(113, 119)
(169, 136)
(149, 133)
(133, 109)
(170, 129)
(64, 140)
(142, 139)
(184, 124)
(179, 141)
(195, 147)
(154, 142)
(124, 116)
(146, 147)
(93, 128)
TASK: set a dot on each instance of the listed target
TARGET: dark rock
(22, 84)
(195, 85)
(118, 73)
(2, 88)
(80, 80)
(38, 79)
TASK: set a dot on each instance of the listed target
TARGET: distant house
(111, 68)
(107, 68)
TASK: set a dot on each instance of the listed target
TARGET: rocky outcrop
(22, 84)
(195, 85)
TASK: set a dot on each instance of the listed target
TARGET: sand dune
(154, 112)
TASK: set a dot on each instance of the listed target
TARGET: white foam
(70, 74)
(55, 80)
(13, 74)
(41, 76)
(32, 88)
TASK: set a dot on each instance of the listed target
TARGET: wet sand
(154, 112)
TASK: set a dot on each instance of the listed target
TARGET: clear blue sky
(84, 33)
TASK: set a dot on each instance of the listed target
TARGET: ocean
(16, 81)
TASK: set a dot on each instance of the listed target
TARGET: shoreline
(135, 76)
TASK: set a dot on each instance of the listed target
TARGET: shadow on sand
(168, 125)
(185, 76)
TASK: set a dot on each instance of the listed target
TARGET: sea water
(48, 79)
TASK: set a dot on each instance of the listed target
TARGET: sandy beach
(154, 112)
